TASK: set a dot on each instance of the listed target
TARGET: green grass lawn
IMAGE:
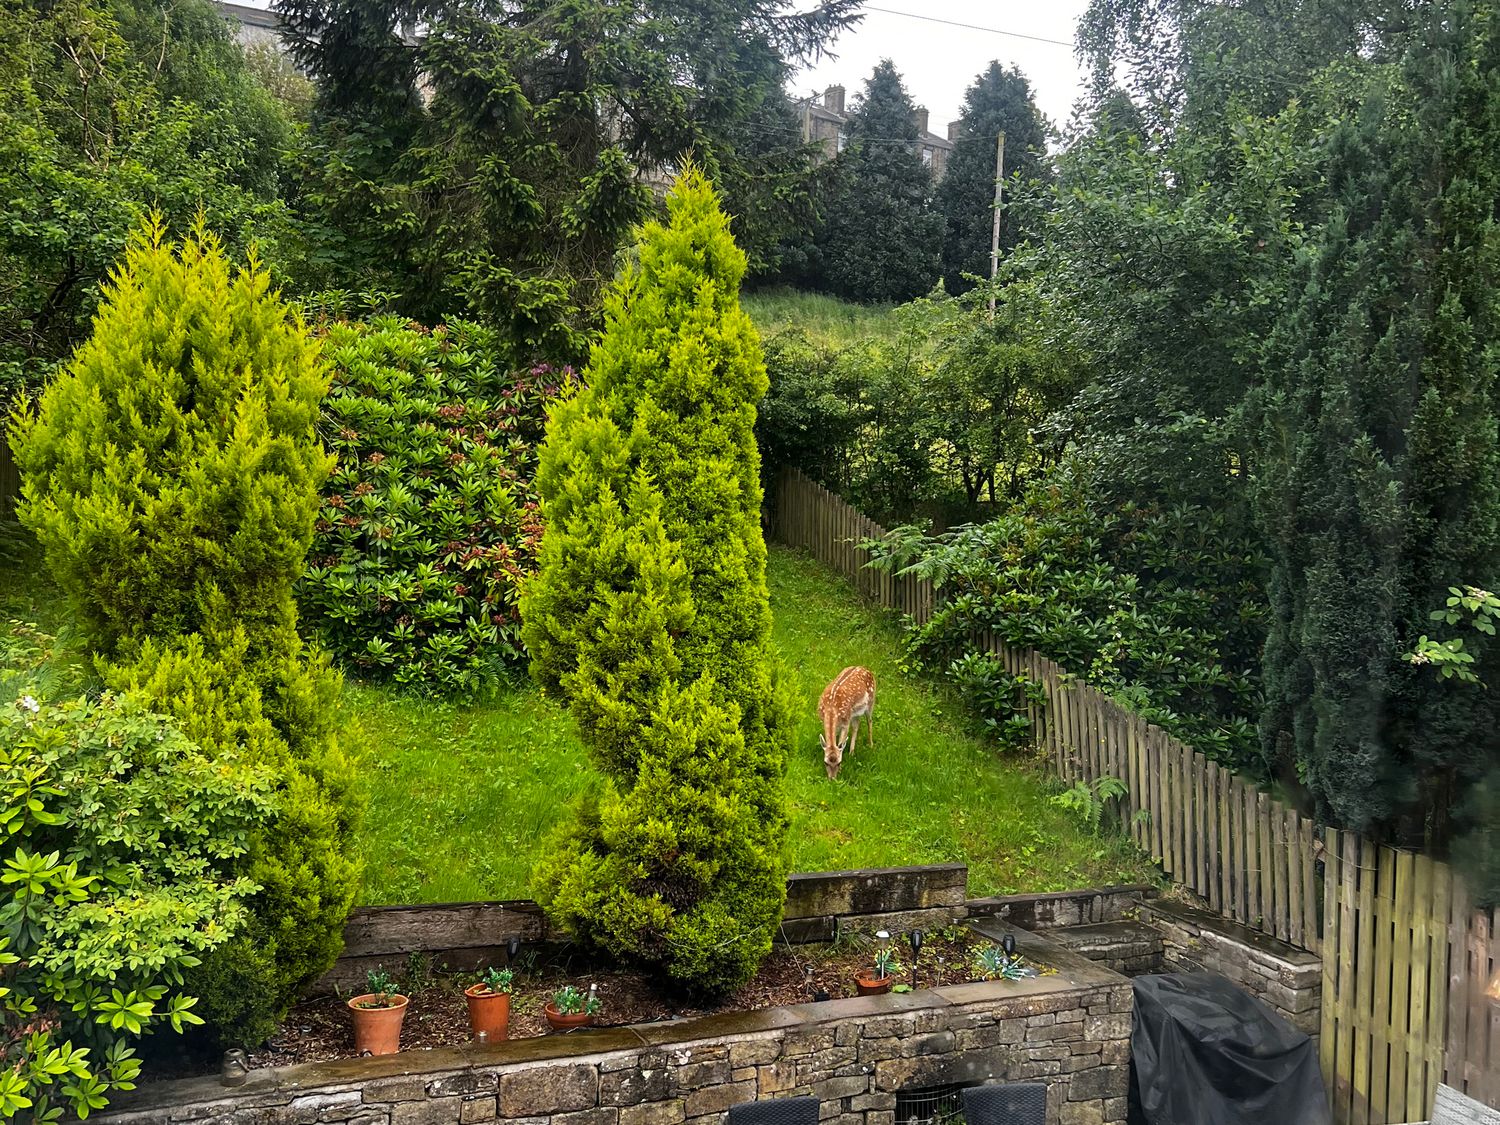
(824, 318)
(461, 797)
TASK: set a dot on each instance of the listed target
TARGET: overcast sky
(940, 61)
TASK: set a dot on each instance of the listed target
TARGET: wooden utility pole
(995, 229)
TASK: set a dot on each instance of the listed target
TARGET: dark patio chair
(775, 1111)
(1014, 1103)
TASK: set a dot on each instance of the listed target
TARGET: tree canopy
(881, 240)
(998, 102)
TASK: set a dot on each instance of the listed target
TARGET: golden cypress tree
(650, 615)
(171, 473)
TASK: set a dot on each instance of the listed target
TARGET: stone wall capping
(1279, 952)
(465, 936)
(724, 1026)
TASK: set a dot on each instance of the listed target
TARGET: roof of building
(245, 14)
(818, 109)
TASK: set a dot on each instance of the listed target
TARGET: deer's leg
(870, 719)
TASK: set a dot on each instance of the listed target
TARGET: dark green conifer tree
(650, 615)
(1379, 465)
(999, 101)
(881, 239)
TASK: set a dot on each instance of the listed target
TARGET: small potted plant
(378, 1015)
(873, 982)
(489, 1005)
(572, 1009)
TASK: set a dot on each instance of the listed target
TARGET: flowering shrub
(430, 520)
(118, 838)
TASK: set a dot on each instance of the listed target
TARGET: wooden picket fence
(1405, 960)
(1406, 963)
(10, 479)
(1250, 857)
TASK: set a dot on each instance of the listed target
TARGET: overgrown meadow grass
(461, 798)
(825, 319)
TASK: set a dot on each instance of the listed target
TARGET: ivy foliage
(650, 615)
(171, 474)
(429, 522)
(120, 839)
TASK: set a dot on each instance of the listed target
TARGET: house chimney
(953, 130)
(833, 99)
(921, 119)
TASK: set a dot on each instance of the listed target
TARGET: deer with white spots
(849, 697)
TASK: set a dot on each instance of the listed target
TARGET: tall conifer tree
(172, 475)
(1379, 475)
(881, 239)
(650, 615)
(999, 102)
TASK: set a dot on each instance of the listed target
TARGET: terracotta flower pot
(489, 1013)
(377, 1031)
(560, 1022)
(866, 983)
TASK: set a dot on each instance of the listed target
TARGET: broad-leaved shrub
(650, 615)
(429, 521)
(1159, 607)
(119, 842)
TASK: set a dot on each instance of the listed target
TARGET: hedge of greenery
(430, 519)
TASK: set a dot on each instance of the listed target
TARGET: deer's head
(833, 756)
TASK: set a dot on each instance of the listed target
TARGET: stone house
(251, 27)
(824, 122)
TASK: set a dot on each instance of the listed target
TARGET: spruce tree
(650, 615)
(1379, 475)
(171, 473)
(881, 239)
(998, 102)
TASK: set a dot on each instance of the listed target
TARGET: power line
(970, 26)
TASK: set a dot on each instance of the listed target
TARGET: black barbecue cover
(1205, 1053)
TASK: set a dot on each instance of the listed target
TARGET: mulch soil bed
(320, 1029)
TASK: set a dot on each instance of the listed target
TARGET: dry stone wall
(1285, 977)
(1127, 947)
(1070, 1030)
